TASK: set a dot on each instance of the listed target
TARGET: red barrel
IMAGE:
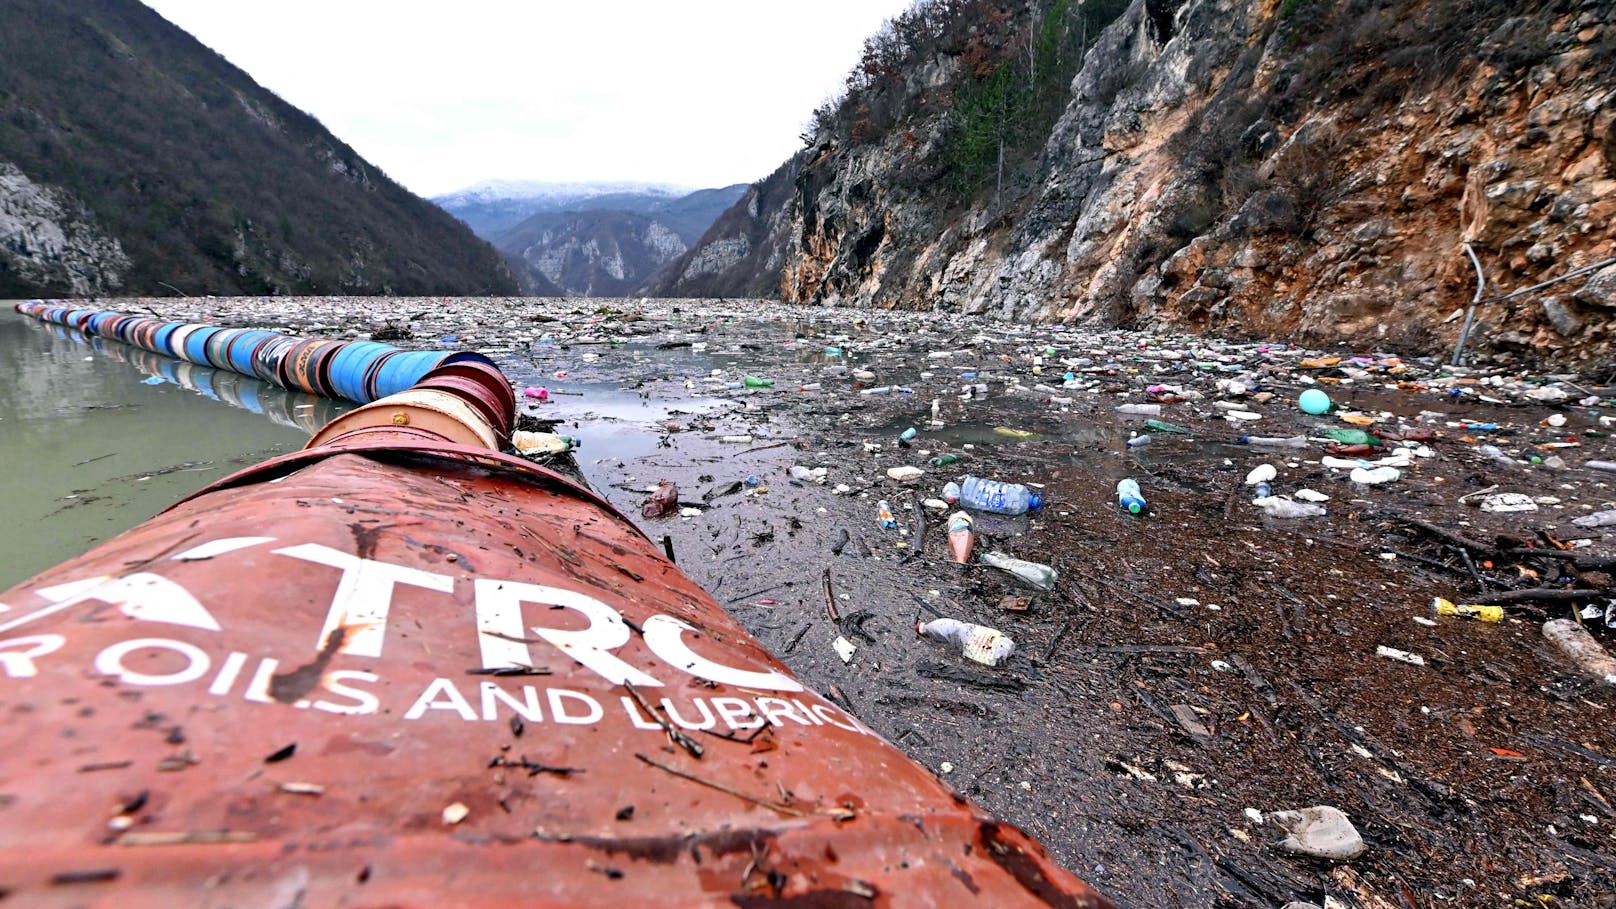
(410, 673)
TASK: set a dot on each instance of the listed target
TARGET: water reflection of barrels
(287, 408)
(360, 371)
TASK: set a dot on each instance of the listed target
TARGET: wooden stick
(830, 599)
(678, 738)
(1536, 595)
(786, 810)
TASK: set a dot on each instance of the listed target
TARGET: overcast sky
(441, 95)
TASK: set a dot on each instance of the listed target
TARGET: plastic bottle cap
(1035, 502)
(1134, 508)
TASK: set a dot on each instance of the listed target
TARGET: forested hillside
(135, 160)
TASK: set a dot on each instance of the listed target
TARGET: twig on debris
(678, 738)
(786, 810)
(830, 598)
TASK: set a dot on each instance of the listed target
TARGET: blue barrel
(159, 338)
(405, 369)
(196, 344)
(217, 345)
(240, 351)
(348, 367)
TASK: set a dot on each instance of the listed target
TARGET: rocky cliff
(135, 160)
(1305, 169)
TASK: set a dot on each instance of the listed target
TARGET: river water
(96, 436)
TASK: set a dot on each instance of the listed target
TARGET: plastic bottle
(1143, 410)
(961, 539)
(755, 382)
(541, 442)
(1159, 426)
(1440, 606)
(806, 474)
(999, 498)
(944, 460)
(884, 515)
(1597, 519)
(1139, 441)
(811, 386)
(661, 502)
(1600, 465)
(1264, 490)
(1038, 575)
(951, 493)
(978, 643)
(1276, 441)
(907, 436)
(1129, 497)
(1496, 455)
(1351, 437)
(1277, 507)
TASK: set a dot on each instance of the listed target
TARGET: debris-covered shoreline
(1196, 666)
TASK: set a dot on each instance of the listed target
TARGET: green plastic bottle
(1160, 426)
(944, 460)
(1351, 437)
(755, 382)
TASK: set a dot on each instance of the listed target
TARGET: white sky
(441, 94)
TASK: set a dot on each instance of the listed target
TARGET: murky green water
(97, 436)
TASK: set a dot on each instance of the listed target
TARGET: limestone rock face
(1214, 170)
(48, 238)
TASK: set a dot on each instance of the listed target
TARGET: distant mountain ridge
(135, 160)
(588, 239)
(492, 207)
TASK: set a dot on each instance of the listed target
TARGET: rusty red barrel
(413, 673)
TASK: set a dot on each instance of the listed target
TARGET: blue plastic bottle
(999, 498)
(1129, 497)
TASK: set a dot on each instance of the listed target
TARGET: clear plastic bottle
(884, 516)
(1129, 497)
(1496, 455)
(1139, 441)
(951, 493)
(999, 498)
(1144, 410)
(542, 442)
(1038, 575)
(1275, 441)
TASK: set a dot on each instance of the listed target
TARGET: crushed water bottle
(979, 643)
(1130, 497)
(1037, 574)
(1276, 441)
(999, 498)
(1143, 410)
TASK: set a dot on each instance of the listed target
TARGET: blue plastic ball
(1314, 402)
